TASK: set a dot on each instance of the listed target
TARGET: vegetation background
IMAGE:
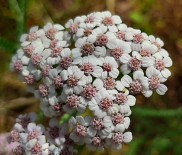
(156, 123)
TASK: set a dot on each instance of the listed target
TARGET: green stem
(21, 22)
(144, 112)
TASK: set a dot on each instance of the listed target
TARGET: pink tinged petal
(131, 100)
(148, 61)
(138, 74)
(91, 132)
(59, 35)
(74, 137)
(119, 128)
(127, 137)
(112, 28)
(166, 73)
(80, 32)
(147, 93)
(58, 27)
(119, 86)
(167, 62)
(124, 108)
(111, 44)
(100, 51)
(78, 89)
(76, 52)
(64, 75)
(25, 60)
(161, 90)
(126, 80)
(97, 71)
(125, 58)
(72, 122)
(104, 74)
(117, 19)
(80, 120)
(98, 83)
(114, 73)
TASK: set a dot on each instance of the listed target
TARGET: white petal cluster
(99, 73)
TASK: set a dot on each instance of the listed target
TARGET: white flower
(162, 60)
(75, 80)
(110, 67)
(133, 63)
(101, 103)
(116, 139)
(33, 34)
(138, 84)
(121, 51)
(79, 127)
(156, 41)
(107, 20)
(155, 80)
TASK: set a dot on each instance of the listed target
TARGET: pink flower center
(29, 79)
(56, 52)
(58, 107)
(98, 123)
(87, 68)
(135, 87)
(73, 101)
(117, 53)
(96, 141)
(107, 67)
(154, 82)
(51, 33)
(53, 43)
(138, 38)
(88, 49)
(36, 59)
(66, 62)
(145, 53)
(157, 45)
(87, 32)
(109, 83)
(121, 98)
(105, 103)
(43, 90)
(89, 19)
(107, 21)
(15, 136)
(117, 138)
(29, 50)
(102, 40)
(18, 150)
(24, 121)
(32, 36)
(73, 28)
(72, 81)
(54, 132)
(33, 135)
(58, 82)
(37, 149)
(46, 70)
(118, 119)
(134, 64)
(81, 130)
(121, 35)
(89, 91)
(18, 66)
(159, 65)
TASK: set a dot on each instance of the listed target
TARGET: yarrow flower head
(94, 79)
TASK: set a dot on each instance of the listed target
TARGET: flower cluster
(99, 73)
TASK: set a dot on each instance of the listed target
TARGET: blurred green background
(156, 123)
